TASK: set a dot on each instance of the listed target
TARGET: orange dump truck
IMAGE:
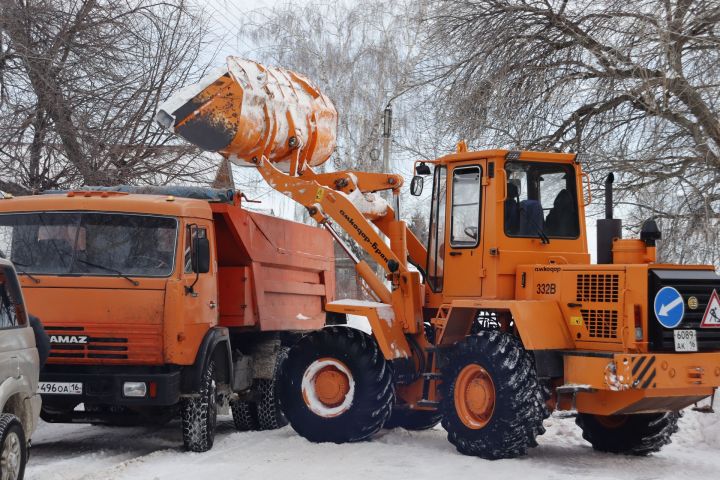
(165, 302)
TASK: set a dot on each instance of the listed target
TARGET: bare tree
(635, 84)
(80, 81)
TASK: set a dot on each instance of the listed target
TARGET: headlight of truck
(134, 389)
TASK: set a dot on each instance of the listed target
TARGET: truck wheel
(413, 419)
(637, 434)
(270, 415)
(14, 451)
(245, 415)
(199, 414)
(336, 386)
(491, 402)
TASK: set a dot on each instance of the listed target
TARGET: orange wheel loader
(500, 318)
(163, 302)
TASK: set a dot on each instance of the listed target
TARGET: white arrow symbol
(664, 309)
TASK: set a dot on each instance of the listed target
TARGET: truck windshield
(80, 243)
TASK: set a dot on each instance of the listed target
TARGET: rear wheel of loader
(638, 434)
(413, 419)
(335, 386)
(491, 402)
(199, 413)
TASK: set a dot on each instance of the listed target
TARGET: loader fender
(215, 345)
(387, 332)
(540, 323)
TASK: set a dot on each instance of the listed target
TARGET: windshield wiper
(541, 234)
(108, 269)
(23, 272)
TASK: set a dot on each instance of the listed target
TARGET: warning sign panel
(711, 319)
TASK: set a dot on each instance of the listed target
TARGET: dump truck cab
(151, 296)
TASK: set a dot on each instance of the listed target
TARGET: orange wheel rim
(611, 421)
(474, 396)
(328, 387)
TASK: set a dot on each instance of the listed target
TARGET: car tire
(13, 448)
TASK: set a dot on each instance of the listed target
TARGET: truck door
(463, 253)
(199, 280)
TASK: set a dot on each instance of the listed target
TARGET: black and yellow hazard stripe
(644, 371)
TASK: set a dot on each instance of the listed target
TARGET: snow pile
(66, 452)
(369, 204)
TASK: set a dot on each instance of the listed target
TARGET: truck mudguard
(215, 345)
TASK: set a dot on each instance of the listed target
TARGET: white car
(19, 372)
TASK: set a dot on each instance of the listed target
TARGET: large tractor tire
(199, 413)
(335, 386)
(413, 419)
(638, 434)
(492, 404)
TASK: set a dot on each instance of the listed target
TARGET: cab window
(541, 200)
(465, 216)
(436, 238)
(192, 233)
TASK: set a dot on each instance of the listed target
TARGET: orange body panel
(264, 275)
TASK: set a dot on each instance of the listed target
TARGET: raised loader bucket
(247, 110)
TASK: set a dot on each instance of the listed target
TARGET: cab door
(463, 237)
(199, 277)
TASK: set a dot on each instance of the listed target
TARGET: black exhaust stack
(608, 228)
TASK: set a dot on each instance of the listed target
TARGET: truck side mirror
(202, 255)
(416, 185)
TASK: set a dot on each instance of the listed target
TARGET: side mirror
(202, 255)
(422, 169)
(416, 185)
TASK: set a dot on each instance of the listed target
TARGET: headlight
(134, 389)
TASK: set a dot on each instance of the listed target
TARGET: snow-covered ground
(90, 452)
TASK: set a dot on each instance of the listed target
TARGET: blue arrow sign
(669, 307)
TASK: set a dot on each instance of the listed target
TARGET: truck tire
(491, 403)
(270, 415)
(245, 415)
(413, 419)
(13, 448)
(637, 434)
(199, 413)
(336, 386)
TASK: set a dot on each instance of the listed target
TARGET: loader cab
(494, 210)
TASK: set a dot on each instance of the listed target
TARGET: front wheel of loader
(637, 434)
(335, 386)
(491, 402)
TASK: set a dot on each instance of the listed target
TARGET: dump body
(111, 276)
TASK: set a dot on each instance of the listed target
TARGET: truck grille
(102, 344)
(690, 283)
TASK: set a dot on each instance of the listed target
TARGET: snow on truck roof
(109, 201)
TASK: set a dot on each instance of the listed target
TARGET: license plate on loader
(685, 340)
